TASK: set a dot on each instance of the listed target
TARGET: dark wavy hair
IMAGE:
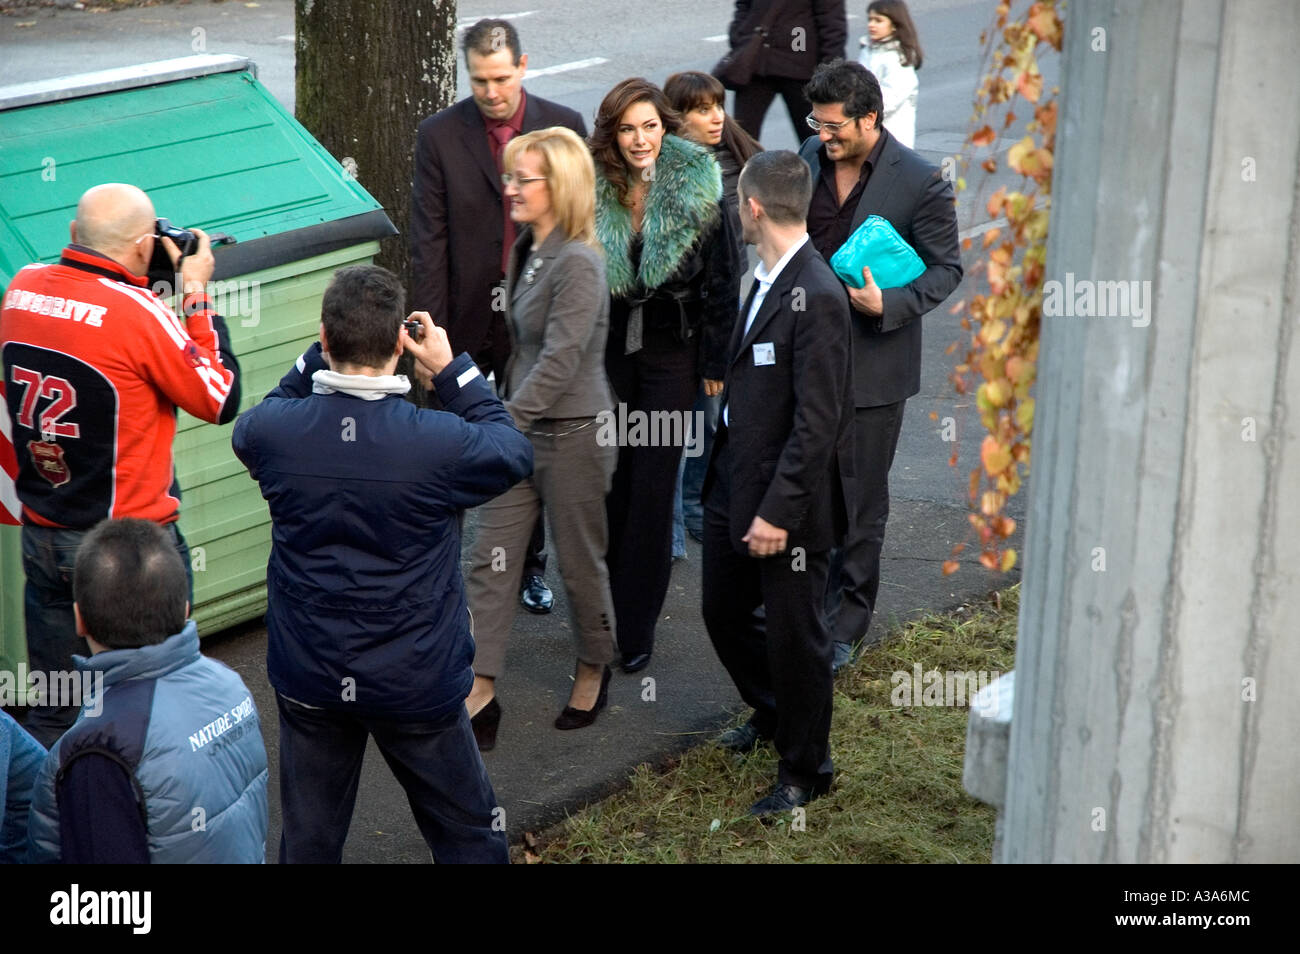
(691, 89)
(603, 141)
(849, 83)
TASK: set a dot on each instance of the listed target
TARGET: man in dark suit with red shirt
(461, 230)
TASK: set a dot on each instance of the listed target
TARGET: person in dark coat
(368, 631)
(860, 169)
(799, 35)
(700, 100)
(673, 274)
(461, 232)
(779, 488)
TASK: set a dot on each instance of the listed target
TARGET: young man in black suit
(461, 230)
(859, 169)
(779, 483)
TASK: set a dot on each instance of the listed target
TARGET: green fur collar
(682, 203)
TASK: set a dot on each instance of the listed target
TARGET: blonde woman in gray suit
(554, 387)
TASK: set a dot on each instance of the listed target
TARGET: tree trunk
(367, 72)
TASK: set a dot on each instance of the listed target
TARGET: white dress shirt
(765, 280)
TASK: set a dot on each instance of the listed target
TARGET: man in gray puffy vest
(166, 761)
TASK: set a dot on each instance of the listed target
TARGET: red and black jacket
(95, 366)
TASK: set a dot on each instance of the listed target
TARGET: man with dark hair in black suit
(461, 231)
(778, 488)
(859, 169)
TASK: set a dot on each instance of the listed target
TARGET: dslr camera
(162, 274)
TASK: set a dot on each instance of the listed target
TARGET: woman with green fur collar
(674, 276)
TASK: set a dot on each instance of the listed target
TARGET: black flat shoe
(572, 718)
(485, 723)
(636, 662)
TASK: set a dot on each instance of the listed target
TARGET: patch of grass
(897, 794)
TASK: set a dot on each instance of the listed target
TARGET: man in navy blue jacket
(369, 631)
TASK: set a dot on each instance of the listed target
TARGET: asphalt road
(576, 53)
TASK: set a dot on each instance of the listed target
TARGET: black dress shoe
(485, 723)
(636, 662)
(782, 799)
(742, 738)
(572, 718)
(535, 596)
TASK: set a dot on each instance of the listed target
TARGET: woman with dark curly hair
(673, 271)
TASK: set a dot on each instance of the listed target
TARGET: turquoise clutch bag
(876, 244)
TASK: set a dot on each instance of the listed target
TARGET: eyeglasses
(507, 179)
(817, 125)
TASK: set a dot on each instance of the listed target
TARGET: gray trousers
(571, 476)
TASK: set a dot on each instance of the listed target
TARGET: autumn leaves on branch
(1004, 319)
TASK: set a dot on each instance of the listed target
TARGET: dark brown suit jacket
(457, 222)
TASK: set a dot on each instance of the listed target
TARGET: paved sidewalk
(540, 773)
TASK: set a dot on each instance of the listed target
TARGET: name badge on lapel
(764, 353)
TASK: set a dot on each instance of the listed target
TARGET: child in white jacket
(892, 52)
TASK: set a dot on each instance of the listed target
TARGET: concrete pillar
(1157, 711)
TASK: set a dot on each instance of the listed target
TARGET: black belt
(636, 322)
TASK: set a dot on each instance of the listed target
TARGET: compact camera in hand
(415, 328)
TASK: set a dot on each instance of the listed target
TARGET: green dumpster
(213, 149)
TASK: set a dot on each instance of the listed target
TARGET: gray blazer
(558, 323)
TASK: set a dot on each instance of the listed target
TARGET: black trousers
(765, 621)
(753, 100)
(437, 763)
(855, 568)
(662, 376)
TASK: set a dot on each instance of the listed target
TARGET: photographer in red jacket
(368, 630)
(95, 366)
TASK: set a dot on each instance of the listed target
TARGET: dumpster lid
(123, 77)
(209, 144)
